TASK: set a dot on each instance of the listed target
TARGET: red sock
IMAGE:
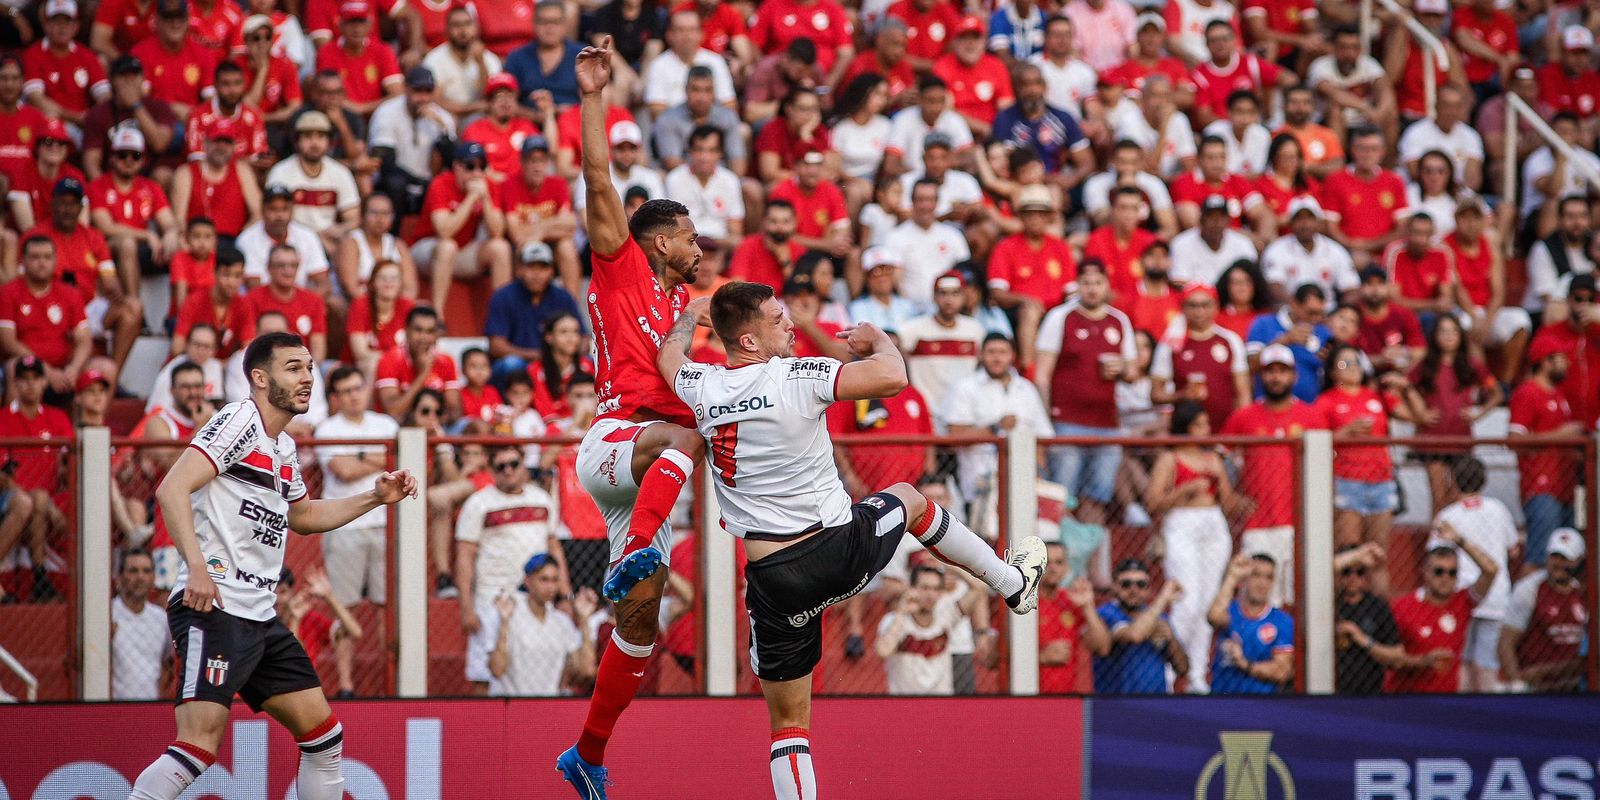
(658, 492)
(616, 681)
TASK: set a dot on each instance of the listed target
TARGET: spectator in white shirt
(910, 126)
(991, 400)
(141, 659)
(941, 348)
(628, 169)
(1354, 86)
(1201, 253)
(199, 348)
(960, 194)
(1553, 260)
(1156, 124)
(667, 73)
(403, 134)
(1068, 81)
(914, 639)
(461, 64)
(1306, 255)
(1127, 169)
(278, 226)
(1546, 178)
(1247, 139)
(1450, 133)
(711, 191)
(928, 247)
(538, 649)
(311, 174)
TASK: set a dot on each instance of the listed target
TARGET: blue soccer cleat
(634, 567)
(589, 780)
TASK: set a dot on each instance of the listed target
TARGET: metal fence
(39, 599)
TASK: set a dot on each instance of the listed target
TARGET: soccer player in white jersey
(807, 546)
(230, 502)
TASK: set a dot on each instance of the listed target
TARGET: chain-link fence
(39, 655)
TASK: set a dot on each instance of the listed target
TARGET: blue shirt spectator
(1049, 131)
(1258, 640)
(519, 309)
(889, 318)
(1129, 668)
(1280, 327)
(562, 82)
(1022, 36)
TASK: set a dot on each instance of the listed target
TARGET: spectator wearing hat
(326, 198)
(502, 133)
(1070, 82)
(1085, 349)
(462, 66)
(519, 310)
(178, 67)
(1206, 363)
(33, 183)
(215, 308)
(1321, 150)
(21, 124)
(992, 400)
(1142, 644)
(1032, 271)
(64, 78)
(674, 125)
(1365, 202)
(1051, 132)
(880, 302)
(1390, 334)
(368, 66)
(1153, 212)
(218, 186)
(1355, 87)
(130, 104)
(821, 219)
(42, 318)
(461, 232)
(980, 84)
(248, 127)
(1555, 259)
(1481, 274)
(132, 212)
(1540, 409)
(109, 300)
(538, 650)
(538, 208)
(941, 348)
(930, 247)
(1544, 629)
(1211, 178)
(36, 472)
(1297, 325)
(715, 197)
(1568, 82)
(549, 46)
(271, 79)
(278, 226)
(910, 128)
(628, 168)
(1200, 254)
(403, 135)
(1305, 255)
(768, 256)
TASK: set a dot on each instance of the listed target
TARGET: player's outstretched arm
(880, 373)
(321, 516)
(607, 222)
(191, 471)
(680, 339)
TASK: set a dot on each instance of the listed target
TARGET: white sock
(954, 543)
(320, 751)
(169, 775)
(792, 778)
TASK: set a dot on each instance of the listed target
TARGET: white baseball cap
(61, 8)
(626, 131)
(1566, 542)
(1305, 202)
(127, 137)
(1277, 354)
(880, 256)
(1151, 18)
(1577, 37)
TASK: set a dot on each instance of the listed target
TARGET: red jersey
(551, 401)
(815, 211)
(380, 335)
(177, 76)
(1473, 271)
(1582, 386)
(1269, 470)
(1124, 265)
(1425, 627)
(1278, 197)
(1043, 273)
(283, 82)
(779, 22)
(72, 79)
(1283, 16)
(198, 275)
(364, 73)
(1397, 326)
(82, 253)
(1131, 74)
(1153, 314)
(1496, 29)
(630, 316)
(552, 196)
(1211, 361)
(248, 126)
(480, 403)
(976, 90)
(1564, 91)
(1061, 620)
(1236, 319)
(1364, 208)
(198, 308)
(1078, 394)
(502, 144)
(1366, 463)
(778, 138)
(569, 130)
(904, 414)
(899, 77)
(1241, 194)
(1556, 629)
(36, 468)
(44, 321)
(433, 15)
(502, 24)
(322, 18)
(218, 28)
(27, 181)
(135, 206)
(928, 32)
(223, 201)
(1551, 470)
(304, 309)
(1245, 71)
(444, 195)
(806, 347)
(1410, 91)
(315, 631)
(129, 22)
(752, 261)
(718, 28)
(1419, 278)
(20, 129)
(396, 371)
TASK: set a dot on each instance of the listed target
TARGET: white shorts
(480, 644)
(353, 558)
(1278, 542)
(463, 265)
(1507, 322)
(1483, 643)
(95, 314)
(605, 470)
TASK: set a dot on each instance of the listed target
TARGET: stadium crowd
(1094, 219)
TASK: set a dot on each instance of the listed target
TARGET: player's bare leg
(320, 737)
(200, 727)
(664, 456)
(789, 707)
(1016, 578)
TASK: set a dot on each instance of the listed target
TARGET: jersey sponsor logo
(1266, 633)
(217, 567)
(875, 502)
(608, 468)
(237, 450)
(809, 368)
(691, 375)
(214, 427)
(644, 325)
(258, 581)
(799, 620)
(273, 522)
(747, 404)
(1245, 758)
(216, 670)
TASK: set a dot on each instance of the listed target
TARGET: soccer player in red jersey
(643, 445)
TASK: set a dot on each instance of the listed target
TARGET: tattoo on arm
(682, 333)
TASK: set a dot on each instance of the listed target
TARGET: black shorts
(220, 655)
(787, 591)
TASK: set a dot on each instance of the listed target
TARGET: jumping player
(807, 546)
(229, 502)
(642, 447)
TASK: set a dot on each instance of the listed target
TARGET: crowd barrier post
(1022, 521)
(94, 562)
(1316, 548)
(719, 582)
(411, 568)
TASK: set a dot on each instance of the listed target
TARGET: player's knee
(915, 503)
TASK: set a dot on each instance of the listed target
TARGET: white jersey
(241, 516)
(1487, 523)
(769, 444)
(509, 529)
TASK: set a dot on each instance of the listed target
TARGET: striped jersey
(241, 516)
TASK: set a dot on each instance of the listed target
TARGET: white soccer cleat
(1028, 557)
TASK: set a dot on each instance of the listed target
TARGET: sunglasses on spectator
(131, 155)
(259, 37)
(472, 166)
(1359, 572)
(507, 466)
(427, 411)
(1582, 298)
(1133, 584)
(1442, 572)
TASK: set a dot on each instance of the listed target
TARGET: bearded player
(807, 546)
(230, 501)
(642, 447)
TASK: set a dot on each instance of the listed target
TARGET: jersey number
(723, 443)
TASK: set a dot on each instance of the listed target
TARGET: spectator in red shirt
(112, 304)
(217, 306)
(1211, 177)
(21, 125)
(121, 24)
(194, 267)
(43, 318)
(862, 467)
(1578, 336)
(179, 68)
(980, 84)
(457, 205)
(888, 57)
(785, 140)
(501, 132)
(1390, 335)
(1364, 203)
(538, 208)
(272, 81)
(248, 128)
(377, 317)
(1569, 82)
(37, 472)
(370, 70)
(132, 212)
(399, 379)
(821, 221)
(725, 32)
(1229, 70)
(33, 181)
(306, 313)
(1070, 629)
(929, 26)
(64, 78)
(217, 185)
(1032, 271)
(1423, 271)
(1489, 44)
(769, 255)
(1433, 621)
(1548, 475)
(1121, 244)
(1481, 271)
(823, 22)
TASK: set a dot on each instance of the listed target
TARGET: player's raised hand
(700, 309)
(392, 487)
(594, 67)
(861, 340)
